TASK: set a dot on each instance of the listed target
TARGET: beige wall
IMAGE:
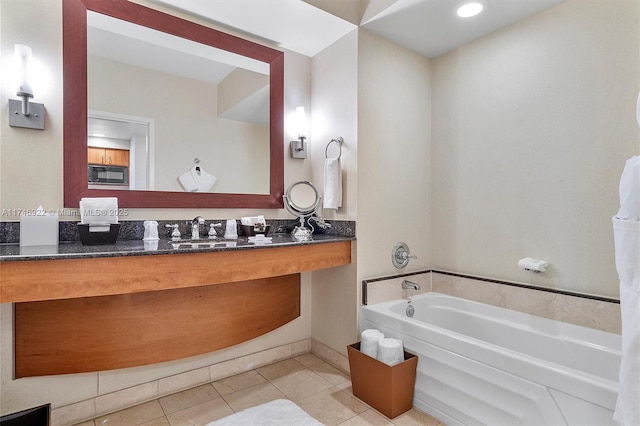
(334, 107)
(531, 129)
(394, 155)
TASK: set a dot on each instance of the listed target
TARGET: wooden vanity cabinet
(108, 156)
(77, 315)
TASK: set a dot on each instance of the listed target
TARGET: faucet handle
(400, 255)
(212, 229)
(175, 233)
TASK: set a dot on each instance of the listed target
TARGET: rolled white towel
(369, 342)
(390, 351)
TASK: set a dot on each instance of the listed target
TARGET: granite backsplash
(134, 229)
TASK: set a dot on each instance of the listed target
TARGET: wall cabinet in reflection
(108, 156)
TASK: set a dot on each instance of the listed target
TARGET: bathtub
(480, 364)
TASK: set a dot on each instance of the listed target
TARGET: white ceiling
(291, 24)
(429, 27)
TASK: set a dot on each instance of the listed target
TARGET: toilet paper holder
(533, 265)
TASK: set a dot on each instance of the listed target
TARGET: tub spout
(410, 285)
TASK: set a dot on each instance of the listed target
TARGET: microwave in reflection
(108, 175)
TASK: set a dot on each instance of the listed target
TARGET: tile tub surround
(588, 311)
(134, 229)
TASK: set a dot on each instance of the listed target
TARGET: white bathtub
(480, 364)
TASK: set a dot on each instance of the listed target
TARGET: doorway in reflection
(122, 141)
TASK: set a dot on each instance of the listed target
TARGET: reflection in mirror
(224, 106)
(131, 137)
(208, 103)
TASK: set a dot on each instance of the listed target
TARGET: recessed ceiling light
(98, 135)
(468, 10)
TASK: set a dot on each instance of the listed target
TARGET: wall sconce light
(299, 146)
(23, 113)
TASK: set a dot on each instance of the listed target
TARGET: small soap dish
(251, 231)
(90, 237)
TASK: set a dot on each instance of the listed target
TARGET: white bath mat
(278, 412)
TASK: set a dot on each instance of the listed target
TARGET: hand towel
(369, 342)
(197, 180)
(332, 198)
(99, 210)
(390, 351)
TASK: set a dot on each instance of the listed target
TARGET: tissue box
(39, 229)
(388, 389)
(89, 238)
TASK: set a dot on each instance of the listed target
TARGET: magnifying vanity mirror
(232, 122)
(301, 199)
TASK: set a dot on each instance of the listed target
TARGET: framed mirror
(82, 69)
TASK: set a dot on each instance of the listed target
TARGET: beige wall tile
(601, 315)
(239, 382)
(73, 413)
(391, 289)
(330, 355)
(182, 381)
(577, 310)
(126, 398)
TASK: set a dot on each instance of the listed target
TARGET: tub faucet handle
(400, 255)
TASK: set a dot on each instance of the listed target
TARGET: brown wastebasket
(388, 389)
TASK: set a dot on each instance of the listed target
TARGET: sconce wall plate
(35, 119)
(298, 148)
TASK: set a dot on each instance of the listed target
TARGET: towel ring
(337, 140)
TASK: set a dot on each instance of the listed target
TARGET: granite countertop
(75, 250)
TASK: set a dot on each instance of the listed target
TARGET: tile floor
(320, 389)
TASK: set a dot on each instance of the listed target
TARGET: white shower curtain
(626, 231)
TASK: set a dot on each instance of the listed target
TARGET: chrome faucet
(195, 227)
(410, 285)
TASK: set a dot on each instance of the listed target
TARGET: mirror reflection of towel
(197, 180)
